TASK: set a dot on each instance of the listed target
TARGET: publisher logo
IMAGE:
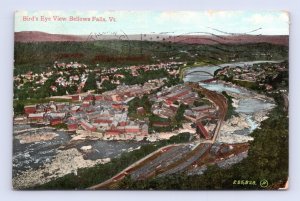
(264, 183)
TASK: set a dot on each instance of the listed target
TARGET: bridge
(204, 73)
(199, 71)
(183, 71)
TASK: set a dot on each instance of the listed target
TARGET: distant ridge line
(36, 36)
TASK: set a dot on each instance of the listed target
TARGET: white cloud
(258, 19)
(268, 18)
(184, 17)
(222, 14)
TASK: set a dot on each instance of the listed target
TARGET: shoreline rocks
(86, 148)
(234, 138)
(65, 162)
(35, 137)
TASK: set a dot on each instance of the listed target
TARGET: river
(248, 104)
(35, 154)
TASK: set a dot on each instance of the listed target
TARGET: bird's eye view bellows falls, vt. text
(151, 100)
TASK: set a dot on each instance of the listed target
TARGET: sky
(147, 22)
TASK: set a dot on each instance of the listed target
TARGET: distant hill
(35, 36)
(233, 39)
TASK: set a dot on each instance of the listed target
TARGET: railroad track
(219, 101)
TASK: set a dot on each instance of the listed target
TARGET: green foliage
(18, 108)
(179, 118)
(90, 83)
(40, 92)
(198, 103)
(139, 102)
(61, 126)
(281, 80)
(230, 110)
(154, 118)
(144, 102)
(108, 86)
(173, 80)
(144, 76)
(272, 75)
(247, 84)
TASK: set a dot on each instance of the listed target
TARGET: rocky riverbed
(250, 108)
(65, 162)
(41, 154)
(237, 128)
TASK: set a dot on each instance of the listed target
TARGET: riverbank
(250, 108)
(36, 137)
(84, 135)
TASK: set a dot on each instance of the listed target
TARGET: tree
(179, 117)
(18, 108)
(90, 83)
(108, 86)
(231, 109)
